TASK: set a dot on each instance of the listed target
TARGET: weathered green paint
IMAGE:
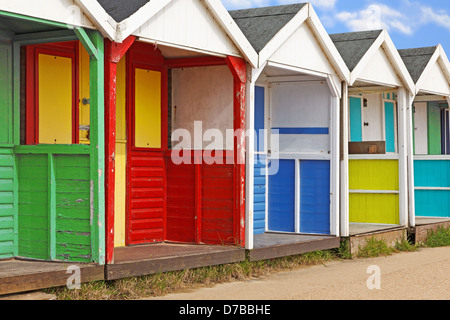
(87, 43)
(33, 206)
(33, 19)
(54, 206)
(6, 203)
(73, 229)
(45, 37)
(6, 118)
(97, 148)
(434, 129)
(53, 149)
(16, 94)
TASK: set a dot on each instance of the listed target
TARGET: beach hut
(293, 108)
(430, 190)
(375, 140)
(175, 79)
(51, 145)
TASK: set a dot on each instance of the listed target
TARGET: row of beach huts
(336, 137)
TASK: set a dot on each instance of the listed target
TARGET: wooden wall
(374, 191)
(432, 188)
(6, 203)
(54, 221)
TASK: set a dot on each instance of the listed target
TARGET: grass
(438, 238)
(173, 282)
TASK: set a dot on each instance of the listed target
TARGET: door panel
(282, 198)
(147, 109)
(389, 112)
(315, 197)
(355, 120)
(421, 128)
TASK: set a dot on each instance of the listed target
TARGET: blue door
(282, 198)
(315, 200)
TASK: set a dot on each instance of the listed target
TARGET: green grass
(378, 248)
(374, 248)
(438, 238)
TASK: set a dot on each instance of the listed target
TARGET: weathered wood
(379, 147)
(272, 246)
(21, 276)
(165, 257)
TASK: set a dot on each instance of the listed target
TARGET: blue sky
(410, 23)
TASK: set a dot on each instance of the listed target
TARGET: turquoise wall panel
(432, 173)
(390, 126)
(355, 120)
(432, 203)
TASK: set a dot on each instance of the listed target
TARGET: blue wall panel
(259, 203)
(259, 117)
(281, 198)
(315, 198)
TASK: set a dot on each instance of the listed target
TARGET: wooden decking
(163, 257)
(275, 245)
(425, 225)
(22, 276)
(357, 229)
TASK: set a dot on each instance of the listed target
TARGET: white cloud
(376, 16)
(440, 18)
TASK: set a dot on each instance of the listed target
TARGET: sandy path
(423, 275)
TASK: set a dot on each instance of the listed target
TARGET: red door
(147, 128)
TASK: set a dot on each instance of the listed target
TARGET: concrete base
(391, 236)
(424, 226)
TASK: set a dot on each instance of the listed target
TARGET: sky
(411, 24)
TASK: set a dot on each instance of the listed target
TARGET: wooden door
(146, 169)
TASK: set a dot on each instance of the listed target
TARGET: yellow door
(55, 99)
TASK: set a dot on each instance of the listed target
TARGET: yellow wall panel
(374, 208)
(373, 175)
(84, 93)
(121, 157)
(148, 109)
(55, 100)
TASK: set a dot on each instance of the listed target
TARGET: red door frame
(237, 67)
(114, 52)
(63, 49)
